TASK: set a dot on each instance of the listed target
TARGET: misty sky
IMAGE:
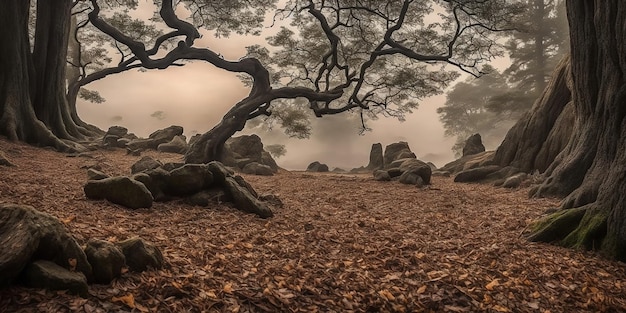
(197, 95)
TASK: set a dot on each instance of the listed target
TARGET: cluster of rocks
(477, 165)
(198, 184)
(170, 139)
(317, 167)
(37, 251)
(246, 154)
(398, 162)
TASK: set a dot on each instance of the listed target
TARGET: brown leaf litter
(339, 243)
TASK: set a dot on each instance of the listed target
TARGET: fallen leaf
(492, 284)
(500, 308)
(228, 288)
(128, 299)
(387, 294)
(421, 290)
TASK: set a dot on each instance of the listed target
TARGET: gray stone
(473, 145)
(406, 155)
(25, 233)
(476, 174)
(118, 131)
(394, 172)
(106, 259)
(317, 167)
(172, 166)
(155, 187)
(110, 140)
(441, 173)
(268, 160)
(144, 164)
(140, 254)
(244, 200)
(93, 174)
(417, 167)
(514, 181)
(381, 175)
(411, 178)
(208, 196)
(189, 179)
(120, 190)
(255, 168)
(243, 183)
(141, 144)
(165, 135)
(194, 138)
(220, 172)
(376, 157)
(48, 275)
(393, 151)
(176, 145)
(122, 142)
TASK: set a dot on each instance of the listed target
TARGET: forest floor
(340, 243)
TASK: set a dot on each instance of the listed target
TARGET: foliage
(276, 150)
(489, 107)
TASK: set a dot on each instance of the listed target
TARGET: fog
(197, 95)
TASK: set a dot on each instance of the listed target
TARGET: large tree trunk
(17, 116)
(32, 86)
(590, 171)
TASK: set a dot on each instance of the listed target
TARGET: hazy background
(197, 95)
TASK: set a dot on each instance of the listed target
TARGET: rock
(432, 166)
(469, 162)
(247, 147)
(381, 175)
(189, 179)
(220, 172)
(120, 190)
(476, 174)
(241, 162)
(317, 167)
(398, 162)
(122, 142)
(411, 178)
(48, 275)
(172, 166)
(144, 164)
(194, 138)
(515, 181)
(117, 131)
(157, 184)
(473, 145)
(255, 168)
(268, 160)
(244, 200)
(25, 233)
(394, 172)
(176, 145)
(165, 135)
(110, 140)
(4, 161)
(394, 151)
(406, 155)
(417, 167)
(243, 183)
(93, 174)
(141, 144)
(208, 196)
(376, 157)
(272, 199)
(339, 170)
(141, 255)
(441, 173)
(106, 259)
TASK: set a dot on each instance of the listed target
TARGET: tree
(465, 113)
(494, 102)
(375, 57)
(579, 119)
(535, 49)
(32, 85)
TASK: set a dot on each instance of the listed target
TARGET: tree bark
(590, 172)
(33, 107)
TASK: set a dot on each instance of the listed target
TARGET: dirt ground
(339, 243)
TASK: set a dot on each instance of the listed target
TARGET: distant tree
(159, 115)
(534, 50)
(276, 150)
(491, 106)
(464, 112)
(374, 57)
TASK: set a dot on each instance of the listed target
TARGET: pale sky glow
(197, 95)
